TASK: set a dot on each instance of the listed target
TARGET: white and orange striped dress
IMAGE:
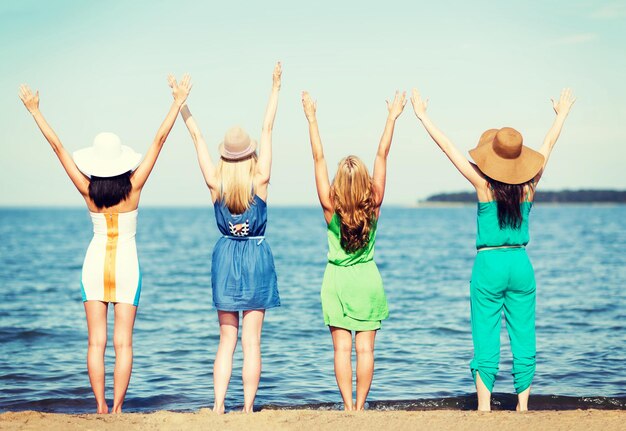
(111, 270)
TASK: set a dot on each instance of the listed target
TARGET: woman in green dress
(352, 294)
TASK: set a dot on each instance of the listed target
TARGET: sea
(423, 350)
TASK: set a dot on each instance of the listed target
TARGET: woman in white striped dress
(106, 177)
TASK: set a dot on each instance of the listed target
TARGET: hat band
(508, 153)
(230, 155)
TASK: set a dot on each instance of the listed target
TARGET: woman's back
(490, 234)
(251, 222)
(338, 256)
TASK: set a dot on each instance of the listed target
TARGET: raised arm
(380, 163)
(31, 102)
(321, 170)
(264, 164)
(204, 158)
(467, 169)
(180, 93)
(562, 108)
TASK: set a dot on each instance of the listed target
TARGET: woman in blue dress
(243, 277)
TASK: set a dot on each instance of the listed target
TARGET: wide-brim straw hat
(107, 157)
(501, 155)
(237, 145)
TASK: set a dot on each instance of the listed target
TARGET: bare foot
(483, 394)
(522, 400)
(102, 409)
(247, 409)
(218, 409)
(117, 410)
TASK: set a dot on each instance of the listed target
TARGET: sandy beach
(321, 420)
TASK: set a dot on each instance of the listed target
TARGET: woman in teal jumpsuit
(504, 174)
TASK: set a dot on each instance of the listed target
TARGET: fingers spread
(416, 95)
(185, 81)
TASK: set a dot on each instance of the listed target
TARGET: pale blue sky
(102, 66)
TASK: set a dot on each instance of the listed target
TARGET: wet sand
(321, 420)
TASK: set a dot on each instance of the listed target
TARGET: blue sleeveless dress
(243, 276)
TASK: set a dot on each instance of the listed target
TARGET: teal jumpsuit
(502, 280)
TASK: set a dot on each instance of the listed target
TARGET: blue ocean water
(425, 256)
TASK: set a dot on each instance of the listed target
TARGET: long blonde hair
(235, 183)
(352, 193)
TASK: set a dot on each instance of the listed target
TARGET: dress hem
(234, 309)
(113, 302)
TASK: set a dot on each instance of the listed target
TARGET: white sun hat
(107, 157)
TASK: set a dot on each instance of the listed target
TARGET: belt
(245, 238)
(500, 247)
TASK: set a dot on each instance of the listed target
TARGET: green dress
(352, 294)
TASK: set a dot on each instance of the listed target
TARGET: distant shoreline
(603, 197)
(461, 204)
(439, 200)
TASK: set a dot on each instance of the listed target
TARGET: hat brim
(91, 165)
(232, 157)
(511, 171)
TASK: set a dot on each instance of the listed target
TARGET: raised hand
(30, 100)
(397, 106)
(278, 71)
(309, 106)
(419, 105)
(181, 90)
(565, 102)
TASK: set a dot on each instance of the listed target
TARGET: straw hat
(500, 155)
(107, 157)
(237, 145)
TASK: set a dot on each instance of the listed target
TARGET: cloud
(575, 39)
(610, 11)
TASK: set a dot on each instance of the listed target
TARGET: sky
(102, 66)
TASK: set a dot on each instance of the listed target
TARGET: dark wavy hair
(509, 197)
(106, 192)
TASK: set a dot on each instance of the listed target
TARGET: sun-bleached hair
(235, 183)
(352, 193)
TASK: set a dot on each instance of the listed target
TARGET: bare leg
(223, 366)
(342, 343)
(251, 344)
(522, 400)
(123, 343)
(484, 396)
(364, 365)
(96, 312)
